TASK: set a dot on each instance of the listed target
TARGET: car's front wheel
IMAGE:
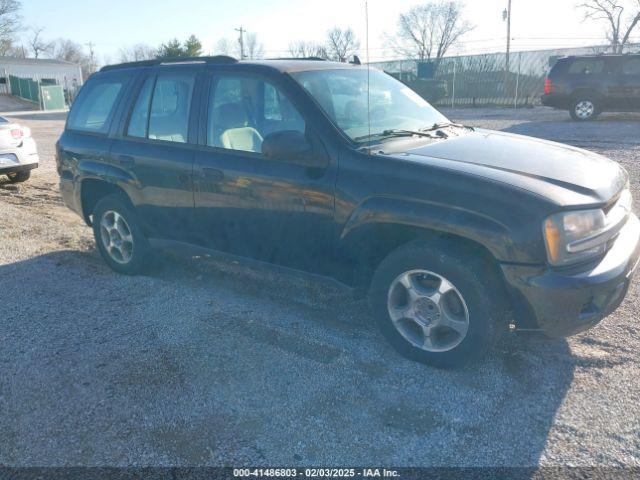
(585, 108)
(119, 237)
(436, 307)
(19, 177)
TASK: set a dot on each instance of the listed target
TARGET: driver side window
(245, 109)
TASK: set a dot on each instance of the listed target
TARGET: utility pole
(92, 65)
(508, 35)
(241, 41)
(506, 15)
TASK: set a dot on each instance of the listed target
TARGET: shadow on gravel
(617, 135)
(209, 363)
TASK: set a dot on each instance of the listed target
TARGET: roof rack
(313, 59)
(218, 59)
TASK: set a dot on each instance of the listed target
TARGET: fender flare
(429, 216)
(110, 174)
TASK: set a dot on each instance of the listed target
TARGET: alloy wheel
(585, 109)
(428, 311)
(116, 237)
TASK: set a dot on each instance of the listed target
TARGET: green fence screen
(47, 97)
(52, 97)
(25, 88)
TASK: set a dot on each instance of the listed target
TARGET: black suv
(590, 85)
(454, 234)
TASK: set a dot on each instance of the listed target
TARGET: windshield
(342, 94)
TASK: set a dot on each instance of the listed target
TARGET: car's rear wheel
(585, 108)
(119, 237)
(19, 177)
(436, 307)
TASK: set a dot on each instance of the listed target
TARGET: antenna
(366, 16)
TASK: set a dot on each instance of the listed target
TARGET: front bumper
(17, 168)
(20, 158)
(562, 303)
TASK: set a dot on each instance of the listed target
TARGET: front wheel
(437, 308)
(584, 109)
(119, 237)
(19, 177)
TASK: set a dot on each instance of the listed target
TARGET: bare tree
(428, 31)
(10, 19)
(253, 48)
(137, 53)
(341, 44)
(9, 49)
(621, 17)
(224, 46)
(37, 44)
(70, 51)
(302, 49)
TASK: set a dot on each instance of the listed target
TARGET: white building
(66, 74)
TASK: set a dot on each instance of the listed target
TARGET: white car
(18, 151)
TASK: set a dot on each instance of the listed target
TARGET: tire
(116, 223)
(19, 177)
(477, 297)
(585, 108)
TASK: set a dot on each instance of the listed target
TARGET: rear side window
(161, 111)
(631, 67)
(586, 67)
(94, 107)
(140, 116)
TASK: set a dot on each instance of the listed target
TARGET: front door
(247, 204)
(156, 148)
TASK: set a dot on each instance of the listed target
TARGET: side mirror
(293, 147)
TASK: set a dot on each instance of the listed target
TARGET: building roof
(34, 61)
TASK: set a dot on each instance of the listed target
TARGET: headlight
(572, 237)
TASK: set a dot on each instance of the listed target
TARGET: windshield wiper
(396, 132)
(438, 126)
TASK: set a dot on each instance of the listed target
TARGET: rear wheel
(19, 177)
(437, 308)
(119, 237)
(585, 108)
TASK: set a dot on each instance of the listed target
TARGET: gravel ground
(210, 363)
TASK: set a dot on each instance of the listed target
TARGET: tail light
(20, 133)
(548, 86)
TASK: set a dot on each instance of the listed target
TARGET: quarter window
(93, 109)
(243, 110)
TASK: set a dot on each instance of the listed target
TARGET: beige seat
(231, 128)
(244, 138)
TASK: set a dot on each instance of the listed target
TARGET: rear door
(629, 79)
(157, 146)
(246, 203)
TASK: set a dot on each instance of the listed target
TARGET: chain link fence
(485, 80)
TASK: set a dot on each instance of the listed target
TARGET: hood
(565, 174)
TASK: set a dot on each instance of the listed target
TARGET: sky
(113, 24)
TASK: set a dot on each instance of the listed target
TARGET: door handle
(126, 160)
(212, 174)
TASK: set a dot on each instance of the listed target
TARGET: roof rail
(313, 59)
(218, 59)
